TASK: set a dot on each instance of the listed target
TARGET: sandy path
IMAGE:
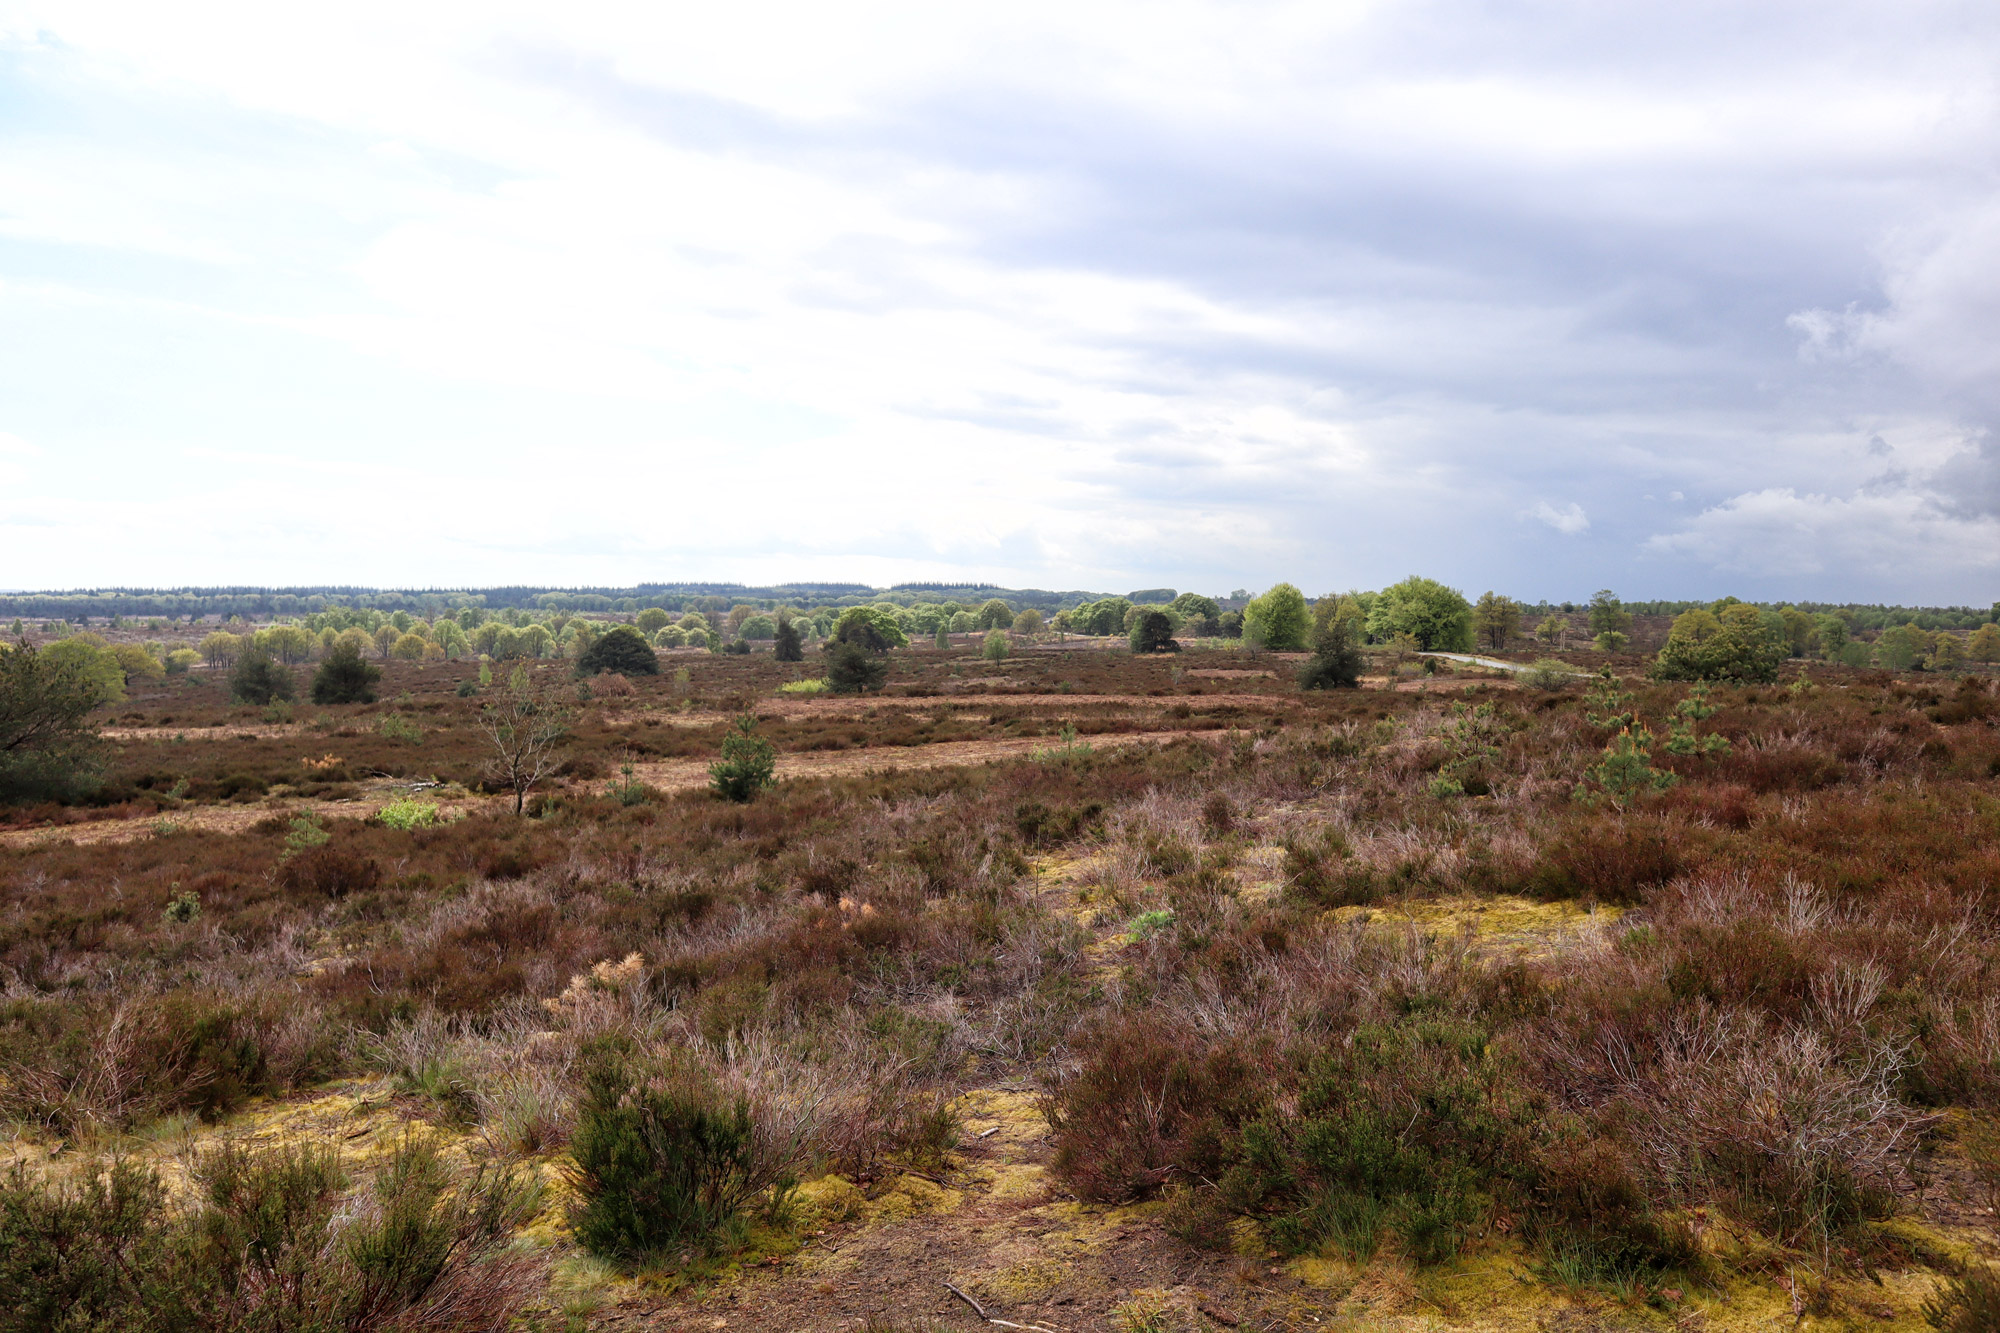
(800, 706)
(667, 775)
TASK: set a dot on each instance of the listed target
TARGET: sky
(1681, 299)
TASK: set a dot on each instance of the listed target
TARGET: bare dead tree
(525, 728)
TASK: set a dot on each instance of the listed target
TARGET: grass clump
(815, 686)
(275, 1240)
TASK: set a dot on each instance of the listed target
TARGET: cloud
(1781, 533)
(1113, 296)
(1569, 519)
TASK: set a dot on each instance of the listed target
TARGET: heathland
(1138, 963)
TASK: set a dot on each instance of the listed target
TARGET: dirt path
(667, 775)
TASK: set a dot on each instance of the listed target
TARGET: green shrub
(996, 646)
(1336, 662)
(853, 669)
(1409, 1129)
(663, 1161)
(408, 813)
(259, 680)
(343, 678)
(804, 687)
(1547, 674)
(623, 650)
(748, 764)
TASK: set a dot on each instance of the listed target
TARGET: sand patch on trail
(247, 731)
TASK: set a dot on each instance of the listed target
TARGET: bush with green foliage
(257, 679)
(1337, 660)
(1153, 632)
(995, 649)
(748, 764)
(1735, 645)
(852, 669)
(622, 650)
(344, 678)
(665, 1162)
(48, 749)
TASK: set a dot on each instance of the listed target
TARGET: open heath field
(1074, 990)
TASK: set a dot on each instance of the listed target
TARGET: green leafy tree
(621, 650)
(257, 679)
(872, 628)
(996, 645)
(748, 765)
(1278, 620)
(47, 746)
(411, 647)
(344, 678)
(1607, 614)
(789, 646)
(1199, 615)
(1496, 620)
(758, 627)
(1153, 632)
(996, 614)
(1437, 617)
(1983, 644)
(289, 644)
(651, 621)
(852, 669)
(1736, 645)
(1104, 616)
(220, 648)
(1028, 622)
(1611, 641)
(81, 654)
(943, 641)
(1830, 631)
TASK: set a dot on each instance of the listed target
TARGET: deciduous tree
(1496, 620)
(1277, 620)
(1437, 617)
(47, 745)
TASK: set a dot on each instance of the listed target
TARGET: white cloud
(1569, 519)
(1781, 533)
(1115, 294)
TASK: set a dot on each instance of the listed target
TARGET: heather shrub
(1413, 1128)
(1148, 1104)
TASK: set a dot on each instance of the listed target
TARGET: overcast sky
(1680, 299)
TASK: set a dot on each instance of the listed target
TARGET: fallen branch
(980, 1310)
